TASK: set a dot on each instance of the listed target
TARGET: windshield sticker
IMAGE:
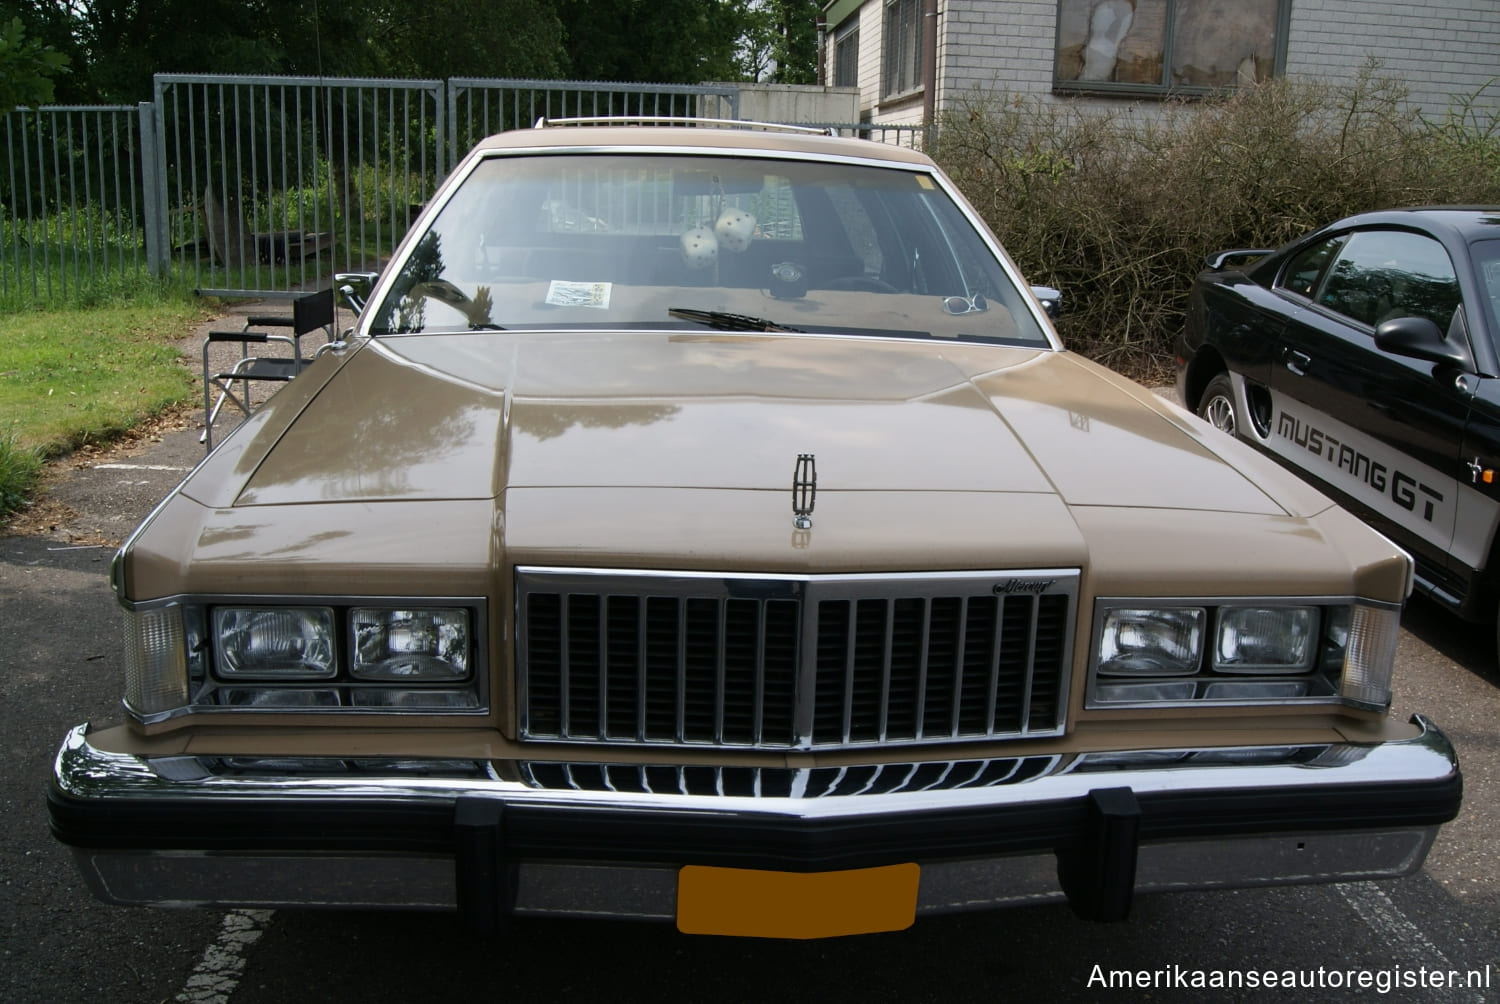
(561, 293)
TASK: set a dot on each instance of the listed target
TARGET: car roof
(742, 140)
(1467, 222)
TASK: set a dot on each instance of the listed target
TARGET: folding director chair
(310, 313)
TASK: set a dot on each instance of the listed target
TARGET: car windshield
(628, 241)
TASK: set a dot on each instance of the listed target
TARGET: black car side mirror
(354, 288)
(1419, 338)
(1049, 298)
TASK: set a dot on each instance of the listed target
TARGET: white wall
(796, 103)
(995, 45)
(1440, 49)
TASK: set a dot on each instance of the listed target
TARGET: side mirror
(354, 288)
(1419, 338)
(1049, 298)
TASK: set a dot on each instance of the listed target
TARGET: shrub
(1118, 207)
(20, 470)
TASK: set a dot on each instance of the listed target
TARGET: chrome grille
(786, 782)
(791, 662)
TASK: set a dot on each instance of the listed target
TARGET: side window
(1381, 274)
(1303, 272)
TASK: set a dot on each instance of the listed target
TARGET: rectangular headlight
(1151, 641)
(1266, 639)
(274, 643)
(417, 644)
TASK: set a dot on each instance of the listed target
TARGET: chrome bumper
(1092, 829)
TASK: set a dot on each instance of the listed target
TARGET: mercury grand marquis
(706, 525)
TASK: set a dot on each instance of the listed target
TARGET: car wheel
(1217, 404)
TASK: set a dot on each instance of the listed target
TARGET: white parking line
(1405, 940)
(218, 972)
(140, 467)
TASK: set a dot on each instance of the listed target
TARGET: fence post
(152, 183)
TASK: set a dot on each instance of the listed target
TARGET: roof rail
(678, 120)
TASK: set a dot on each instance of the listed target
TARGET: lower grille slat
(655, 659)
(788, 782)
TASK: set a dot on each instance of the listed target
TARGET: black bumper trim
(791, 843)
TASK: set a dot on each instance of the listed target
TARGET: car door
(1383, 432)
(1479, 492)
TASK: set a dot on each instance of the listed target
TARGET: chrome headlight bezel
(177, 665)
(1336, 650)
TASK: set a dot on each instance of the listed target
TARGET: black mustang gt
(1366, 357)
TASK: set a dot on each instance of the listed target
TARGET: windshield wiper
(725, 321)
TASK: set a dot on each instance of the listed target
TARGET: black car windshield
(623, 241)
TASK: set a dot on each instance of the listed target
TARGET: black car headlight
(1189, 652)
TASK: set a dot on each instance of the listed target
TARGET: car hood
(475, 415)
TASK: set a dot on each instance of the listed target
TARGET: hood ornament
(804, 491)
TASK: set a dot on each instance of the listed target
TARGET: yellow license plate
(747, 903)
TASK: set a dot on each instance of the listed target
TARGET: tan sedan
(706, 525)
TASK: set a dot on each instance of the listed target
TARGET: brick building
(1143, 50)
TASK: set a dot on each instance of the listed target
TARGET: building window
(846, 55)
(902, 71)
(1161, 46)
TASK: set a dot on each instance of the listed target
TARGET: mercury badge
(804, 490)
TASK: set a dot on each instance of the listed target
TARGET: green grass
(20, 470)
(78, 375)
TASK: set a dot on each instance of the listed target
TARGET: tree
(27, 67)
(468, 38)
(652, 41)
(117, 46)
(779, 41)
(123, 43)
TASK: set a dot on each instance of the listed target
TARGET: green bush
(20, 470)
(1118, 207)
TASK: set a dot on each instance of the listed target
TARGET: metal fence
(482, 107)
(272, 183)
(264, 186)
(913, 137)
(72, 200)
